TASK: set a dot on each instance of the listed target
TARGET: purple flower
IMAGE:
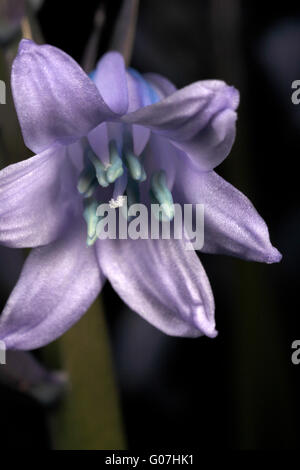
(96, 140)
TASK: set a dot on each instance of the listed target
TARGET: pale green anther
(91, 241)
(85, 179)
(160, 194)
(143, 176)
(102, 179)
(99, 168)
(89, 214)
(115, 169)
(134, 166)
(114, 172)
(92, 188)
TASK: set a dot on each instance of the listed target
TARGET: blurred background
(240, 390)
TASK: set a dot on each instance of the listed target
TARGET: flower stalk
(89, 418)
(124, 33)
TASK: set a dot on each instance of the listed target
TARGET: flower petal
(110, 79)
(232, 225)
(99, 140)
(161, 281)
(161, 84)
(35, 199)
(199, 119)
(54, 98)
(140, 135)
(56, 287)
(141, 93)
(159, 155)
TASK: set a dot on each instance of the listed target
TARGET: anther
(99, 168)
(91, 189)
(89, 214)
(86, 179)
(134, 166)
(115, 169)
(160, 194)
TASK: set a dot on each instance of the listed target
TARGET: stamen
(92, 188)
(86, 178)
(134, 166)
(120, 185)
(160, 194)
(143, 176)
(115, 170)
(89, 214)
(99, 167)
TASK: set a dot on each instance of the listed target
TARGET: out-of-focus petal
(11, 14)
(54, 98)
(36, 199)
(25, 374)
(162, 85)
(56, 287)
(161, 281)
(232, 225)
(199, 119)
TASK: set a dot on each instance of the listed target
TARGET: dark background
(241, 389)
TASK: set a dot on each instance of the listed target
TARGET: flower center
(126, 172)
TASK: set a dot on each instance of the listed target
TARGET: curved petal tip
(235, 97)
(25, 45)
(207, 326)
(274, 257)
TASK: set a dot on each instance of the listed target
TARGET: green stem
(124, 33)
(89, 417)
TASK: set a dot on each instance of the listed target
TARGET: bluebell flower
(94, 141)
